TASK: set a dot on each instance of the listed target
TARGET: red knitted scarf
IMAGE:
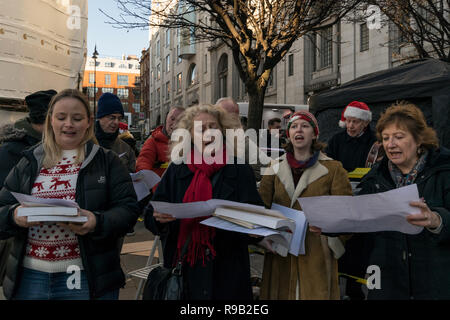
(200, 189)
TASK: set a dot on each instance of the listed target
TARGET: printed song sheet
(143, 182)
(203, 208)
(384, 211)
(31, 201)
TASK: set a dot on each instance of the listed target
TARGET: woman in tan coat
(304, 171)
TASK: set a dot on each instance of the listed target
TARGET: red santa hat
(355, 109)
(123, 126)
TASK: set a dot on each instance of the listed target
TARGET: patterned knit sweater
(52, 248)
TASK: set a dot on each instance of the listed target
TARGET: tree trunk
(255, 108)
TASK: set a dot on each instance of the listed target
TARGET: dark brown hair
(409, 117)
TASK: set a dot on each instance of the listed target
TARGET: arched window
(192, 75)
(222, 72)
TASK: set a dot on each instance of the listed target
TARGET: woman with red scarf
(304, 171)
(216, 266)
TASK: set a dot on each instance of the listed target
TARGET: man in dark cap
(26, 132)
(109, 115)
(15, 138)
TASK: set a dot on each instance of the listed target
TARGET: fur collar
(283, 171)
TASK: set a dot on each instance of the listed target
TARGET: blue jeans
(37, 285)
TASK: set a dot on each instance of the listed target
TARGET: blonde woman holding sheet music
(68, 165)
(304, 171)
(216, 265)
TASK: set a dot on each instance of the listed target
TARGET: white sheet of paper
(78, 219)
(196, 209)
(226, 225)
(297, 245)
(384, 211)
(143, 182)
(31, 201)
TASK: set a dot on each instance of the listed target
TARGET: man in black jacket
(14, 139)
(352, 145)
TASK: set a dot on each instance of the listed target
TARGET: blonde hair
(224, 119)
(408, 116)
(52, 152)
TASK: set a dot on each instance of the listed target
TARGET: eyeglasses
(114, 118)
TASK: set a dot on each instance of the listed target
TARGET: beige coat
(314, 275)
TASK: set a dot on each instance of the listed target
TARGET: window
(158, 49)
(270, 81)
(291, 65)
(137, 107)
(91, 77)
(398, 39)
(178, 54)
(192, 75)
(179, 83)
(91, 91)
(91, 63)
(168, 63)
(137, 80)
(122, 80)
(109, 64)
(122, 93)
(108, 90)
(205, 66)
(326, 47)
(223, 75)
(125, 106)
(167, 37)
(314, 51)
(158, 71)
(107, 79)
(130, 66)
(364, 37)
(158, 96)
(122, 66)
(137, 67)
(167, 90)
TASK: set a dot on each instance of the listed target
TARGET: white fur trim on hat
(342, 124)
(359, 113)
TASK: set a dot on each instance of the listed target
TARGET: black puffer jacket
(14, 139)
(414, 266)
(103, 187)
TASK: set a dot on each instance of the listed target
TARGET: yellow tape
(164, 165)
(358, 173)
(357, 279)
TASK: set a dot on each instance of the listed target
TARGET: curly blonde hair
(224, 119)
(409, 117)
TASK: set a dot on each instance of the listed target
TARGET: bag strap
(184, 249)
(177, 269)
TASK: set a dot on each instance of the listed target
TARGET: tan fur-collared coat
(312, 276)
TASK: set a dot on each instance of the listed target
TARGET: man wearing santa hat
(352, 146)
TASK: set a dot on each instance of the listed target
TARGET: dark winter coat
(414, 266)
(111, 141)
(227, 276)
(14, 139)
(352, 152)
(103, 187)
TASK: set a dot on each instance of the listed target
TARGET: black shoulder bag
(166, 283)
